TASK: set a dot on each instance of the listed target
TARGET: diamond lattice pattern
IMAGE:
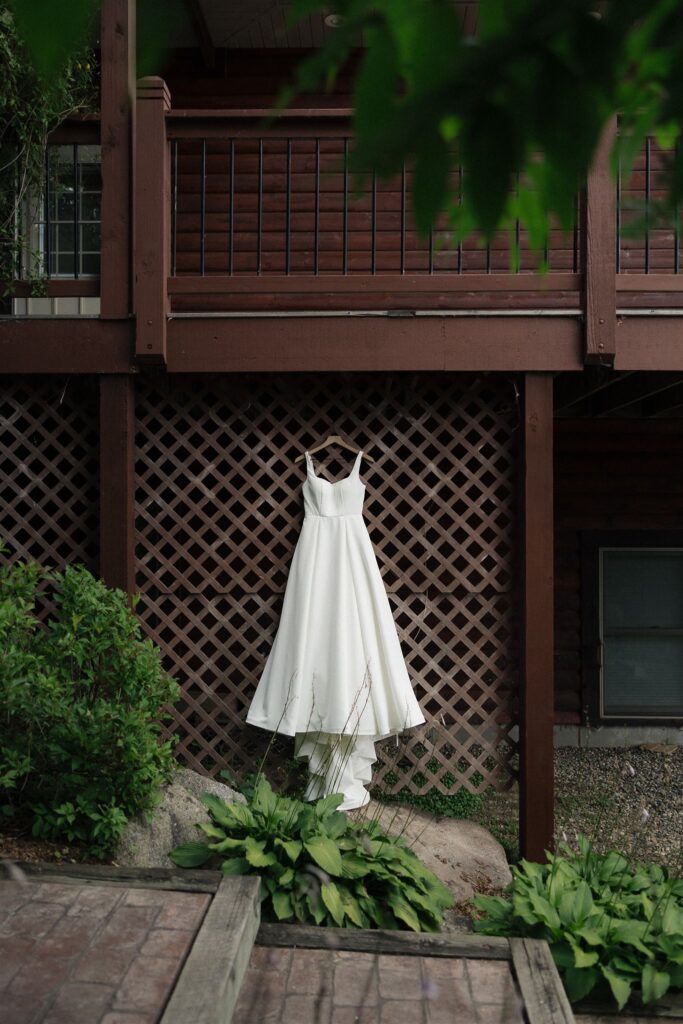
(49, 475)
(218, 514)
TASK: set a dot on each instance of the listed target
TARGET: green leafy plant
(49, 73)
(612, 927)
(316, 864)
(80, 700)
(458, 802)
(519, 102)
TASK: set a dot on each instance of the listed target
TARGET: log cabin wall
(610, 474)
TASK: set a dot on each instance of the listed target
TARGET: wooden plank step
(481, 947)
(139, 878)
(208, 986)
(545, 1000)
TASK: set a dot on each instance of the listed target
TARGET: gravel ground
(629, 798)
(637, 810)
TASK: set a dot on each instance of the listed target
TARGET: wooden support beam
(600, 240)
(152, 219)
(117, 481)
(62, 344)
(117, 121)
(536, 721)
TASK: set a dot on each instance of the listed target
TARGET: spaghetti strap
(356, 465)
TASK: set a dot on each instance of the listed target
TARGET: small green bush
(612, 927)
(80, 700)
(316, 865)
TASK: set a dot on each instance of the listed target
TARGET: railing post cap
(154, 88)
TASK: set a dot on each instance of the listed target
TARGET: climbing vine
(31, 106)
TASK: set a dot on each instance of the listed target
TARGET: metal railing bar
(648, 142)
(259, 208)
(202, 214)
(345, 232)
(288, 208)
(48, 222)
(317, 207)
(76, 182)
(403, 218)
(174, 209)
(374, 223)
(231, 222)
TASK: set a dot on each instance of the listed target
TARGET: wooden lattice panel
(49, 475)
(219, 512)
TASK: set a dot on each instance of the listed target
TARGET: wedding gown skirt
(335, 678)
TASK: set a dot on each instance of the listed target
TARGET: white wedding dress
(335, 678)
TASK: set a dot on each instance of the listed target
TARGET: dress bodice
(341, 498)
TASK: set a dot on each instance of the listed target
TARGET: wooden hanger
(333, 439)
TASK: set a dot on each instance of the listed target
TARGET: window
(640, 632)
(64, 237)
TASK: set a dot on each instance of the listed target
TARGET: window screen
(642, 632)
(64, 237)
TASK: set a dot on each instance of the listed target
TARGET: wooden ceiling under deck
(604, 393)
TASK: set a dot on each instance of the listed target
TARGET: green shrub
(612, 927)
(80, 699)
(460, 803)
(316, 865)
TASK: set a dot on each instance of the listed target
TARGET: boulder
(464, 855)
(148, 839)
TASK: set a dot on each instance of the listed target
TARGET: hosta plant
(316, 864)
(612, 927)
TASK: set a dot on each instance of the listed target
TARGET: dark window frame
(75, 136)
(591, 543)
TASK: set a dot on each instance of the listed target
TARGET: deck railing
(273, 219)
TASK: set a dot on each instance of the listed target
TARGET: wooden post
(536, 722)
(116, 136)
(152, 219)
(117, 481)
(600, 243)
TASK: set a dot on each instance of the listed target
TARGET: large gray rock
(464, 855)
(147, 840)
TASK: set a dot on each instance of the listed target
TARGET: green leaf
(235, 866)
(292, 848)
(325, 853)
(190, 855)
(256, 855)
(489, 145)
(354, 866)
(631, 933)
(328, 804)
(263, 800)
(403, 911)
(211, 830)
(621, 987)
(654, 983)
(374, 97)
(282, 905)
(227, 844)
(352, 909)
(432, 163)
(591, 936)
(332, 900)
(583, 958)
(227, 814)
(583, 901)
(578, 982)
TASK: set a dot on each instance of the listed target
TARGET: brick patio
(91, 954)
(306, 986)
